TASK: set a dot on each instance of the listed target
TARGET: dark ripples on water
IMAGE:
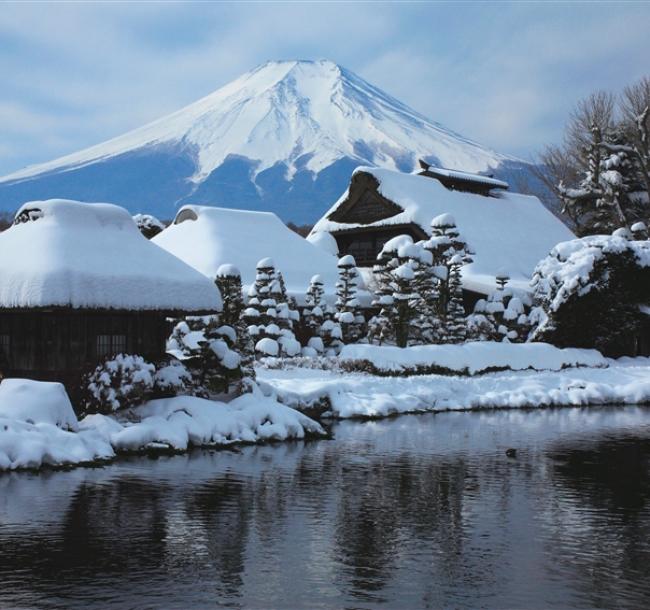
(418, 511)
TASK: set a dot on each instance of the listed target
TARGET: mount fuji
(284, 137)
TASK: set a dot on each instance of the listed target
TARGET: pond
(413, 512)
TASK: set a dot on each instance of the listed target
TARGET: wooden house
(78, 282)
(507, 231)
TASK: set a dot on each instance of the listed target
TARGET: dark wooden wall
(366, 243)
(60, 344)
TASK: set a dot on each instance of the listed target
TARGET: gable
(364, 204)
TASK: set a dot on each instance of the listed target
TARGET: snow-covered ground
(468, 358)
(626, 381)
(38, 427)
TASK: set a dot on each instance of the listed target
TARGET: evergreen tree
(348, 310)
(269, 313)
(208, 350)
(313, 315)
(229, 282)
(398, 280)
(449, 253)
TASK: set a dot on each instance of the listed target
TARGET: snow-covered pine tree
(270, 315)
(348, 311)
(208, 350)
(229, 282)
(313, 314)
(379, 327)
(454, 327)
(449, 253)
(397, 293)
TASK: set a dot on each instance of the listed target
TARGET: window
(108, 345)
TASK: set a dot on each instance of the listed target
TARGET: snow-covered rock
(37, 402)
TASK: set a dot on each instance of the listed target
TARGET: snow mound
(172, 424)
(324, 241)
(92, 255)
(368, 396)
(37, 402)
(207, 237)
(469, 358)
(184, 421)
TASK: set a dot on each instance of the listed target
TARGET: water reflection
(422, 511)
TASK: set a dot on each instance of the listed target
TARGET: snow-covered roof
(207, 237)
(92, 255)
(466, 176)
(508, 232)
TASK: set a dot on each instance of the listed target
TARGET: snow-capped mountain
(283, 137)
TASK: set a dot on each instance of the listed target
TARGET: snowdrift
(466, 359)
(38, 427)
(359, 395)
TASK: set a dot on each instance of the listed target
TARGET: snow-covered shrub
(348, 310)
(588, 293)
(149, 225)
(500, 317)
(208, 350)
(171, 379)
(117, 383)
(419, 292)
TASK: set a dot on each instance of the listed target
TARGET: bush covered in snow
(500, 317)
(229, 282)
(171, 379)
(208, 350)
(590, 292)
(119, 382)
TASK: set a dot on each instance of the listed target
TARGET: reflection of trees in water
(105, 533)
(428, 529)
(598, 527)
(222, 508)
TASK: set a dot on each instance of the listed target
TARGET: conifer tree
(449, 253)
(229, 282)
(348, 311)
(269, 314)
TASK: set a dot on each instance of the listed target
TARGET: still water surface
(418, 511)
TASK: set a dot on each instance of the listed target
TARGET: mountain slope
(283, 137)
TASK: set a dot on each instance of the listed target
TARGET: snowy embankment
(466, 359)
(38, 426)
(348, 395)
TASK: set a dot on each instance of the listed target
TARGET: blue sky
(505, 74)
